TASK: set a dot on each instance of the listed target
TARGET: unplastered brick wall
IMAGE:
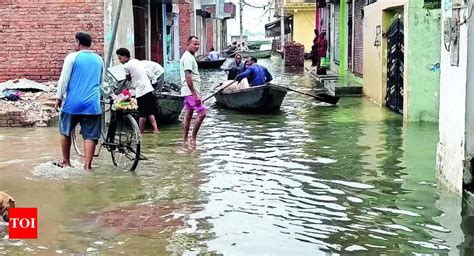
(14, 119)
(36, 35)
(210, 34)
(184, 26)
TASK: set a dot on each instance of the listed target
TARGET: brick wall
(210, 34)
(184, 26)
(14, 119)
(36, 35)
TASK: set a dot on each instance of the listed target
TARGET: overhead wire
(258, 7)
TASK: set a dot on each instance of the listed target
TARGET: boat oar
(218, 91)
(320, 97)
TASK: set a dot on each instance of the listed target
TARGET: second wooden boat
(259, 99)
(210, 63)
(257, 54)
(168, 107)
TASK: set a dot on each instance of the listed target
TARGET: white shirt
(188, 63)
(213, 55)
(140, 81)
(153, 70)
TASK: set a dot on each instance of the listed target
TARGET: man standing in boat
(256, 74)
(190, 89)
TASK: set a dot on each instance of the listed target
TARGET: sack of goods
(124, 101)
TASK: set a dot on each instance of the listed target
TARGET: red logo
(23, 223)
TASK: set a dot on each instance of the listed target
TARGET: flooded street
(308, 180)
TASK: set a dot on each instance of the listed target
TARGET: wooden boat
(206, 63)
(260, 99)
(255, 45)
(168, 106)
(257, 54)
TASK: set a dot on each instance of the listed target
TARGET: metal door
(394, 98)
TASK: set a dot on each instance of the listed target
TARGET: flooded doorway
(140, 22)
(156, 15)
(395, 60)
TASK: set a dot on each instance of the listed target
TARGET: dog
(6, 202)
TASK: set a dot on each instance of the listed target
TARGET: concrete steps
(335, 86)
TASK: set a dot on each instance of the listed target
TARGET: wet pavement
(308, 180)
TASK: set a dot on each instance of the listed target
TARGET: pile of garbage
(25, 103)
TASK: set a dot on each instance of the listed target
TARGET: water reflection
(308, 180)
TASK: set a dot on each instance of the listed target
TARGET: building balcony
(208, 2)
(227, 10)
(303, 5)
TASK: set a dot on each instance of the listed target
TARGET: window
(432, 4)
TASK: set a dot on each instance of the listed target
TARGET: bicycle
(120, 133)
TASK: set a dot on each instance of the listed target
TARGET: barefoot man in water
(79, 88)
(190, 89)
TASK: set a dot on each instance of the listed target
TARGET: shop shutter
(358, 37)
(337, 36)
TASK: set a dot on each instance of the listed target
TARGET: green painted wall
(424, 46)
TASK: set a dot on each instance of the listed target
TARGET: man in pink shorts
(190, 89)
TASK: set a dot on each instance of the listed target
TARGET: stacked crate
(294, 54)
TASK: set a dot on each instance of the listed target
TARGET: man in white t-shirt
(135, 72)
(190, 89)
(213, 55)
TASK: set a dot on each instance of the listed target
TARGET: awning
(273, 29)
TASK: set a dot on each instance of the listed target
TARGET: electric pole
(241, 7)
(282, 24)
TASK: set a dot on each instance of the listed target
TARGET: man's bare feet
(61, 163)
(184, 144)
(156, 131)
(192, 143)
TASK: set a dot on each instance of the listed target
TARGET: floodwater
(310, 180)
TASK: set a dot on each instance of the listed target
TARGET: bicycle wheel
(77, 140)
(123, 139)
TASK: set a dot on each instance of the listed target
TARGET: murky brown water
(309, 180)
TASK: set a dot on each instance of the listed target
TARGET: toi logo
(23, 223)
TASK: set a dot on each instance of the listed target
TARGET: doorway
(156, 13)
(140, 22)
(395, 66)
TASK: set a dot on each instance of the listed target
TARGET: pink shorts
(190, 104)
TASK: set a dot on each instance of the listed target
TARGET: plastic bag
(325, 63)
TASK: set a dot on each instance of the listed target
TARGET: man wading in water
(79, 87)
(190, 89)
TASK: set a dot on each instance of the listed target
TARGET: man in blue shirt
(256, 74)
(79, 87)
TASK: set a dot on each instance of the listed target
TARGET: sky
(254, 19)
